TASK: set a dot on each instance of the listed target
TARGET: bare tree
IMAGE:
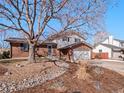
(5, 33)
(100, 36)
(31, 17)
(3, 45)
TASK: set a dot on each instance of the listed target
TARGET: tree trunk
(31, 57)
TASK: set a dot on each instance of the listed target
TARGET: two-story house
(70, 45)
(109, 48)
(66, 38)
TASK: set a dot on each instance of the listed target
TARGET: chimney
(110, 41)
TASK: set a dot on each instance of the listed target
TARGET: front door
(49, 50)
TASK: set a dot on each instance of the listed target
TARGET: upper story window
(65, 39)
(77, 40)
(100, 50)
(122, 44)
(24, 47)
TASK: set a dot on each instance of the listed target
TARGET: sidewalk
(109, 60)
(115, 65)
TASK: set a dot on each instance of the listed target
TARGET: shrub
(5, 54)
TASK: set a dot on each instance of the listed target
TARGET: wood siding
(100, 55)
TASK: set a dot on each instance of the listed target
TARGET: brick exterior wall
(16, 51)
(41, 51)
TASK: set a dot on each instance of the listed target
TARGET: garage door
(116, 55)
(81, 55)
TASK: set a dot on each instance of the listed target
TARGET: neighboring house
(69, 45)
(109, 48)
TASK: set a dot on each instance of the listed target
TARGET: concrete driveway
(114, 65)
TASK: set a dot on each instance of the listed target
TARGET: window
(100, 50)
(49, 49)
(24, 47)
(65, 39)
(77, 40)
(122, 44)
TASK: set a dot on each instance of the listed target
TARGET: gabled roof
(24, 40)
(76, 44)
(100, 42)
(16, 40)
(64, 34)
(122, 41)
(112, 46)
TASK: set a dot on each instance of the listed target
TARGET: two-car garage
(81, 55)
(77, 51)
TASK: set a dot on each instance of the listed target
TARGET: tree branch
(29, 19)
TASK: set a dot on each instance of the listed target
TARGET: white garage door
(81, 55)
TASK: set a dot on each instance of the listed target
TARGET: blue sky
(115, 20)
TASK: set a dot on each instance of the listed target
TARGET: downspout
(10, 50)
(112, 53)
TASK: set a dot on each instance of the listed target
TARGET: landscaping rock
(38, 79)
(7, 73)
(19, 65)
